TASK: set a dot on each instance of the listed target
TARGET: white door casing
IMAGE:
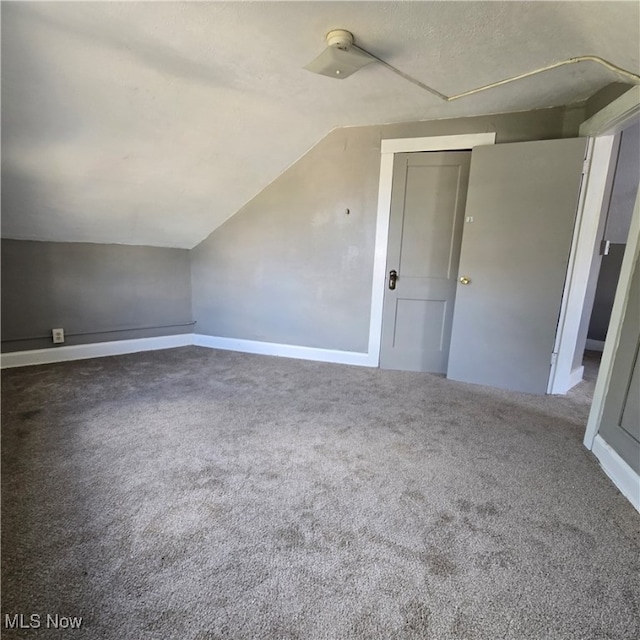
(388, 149)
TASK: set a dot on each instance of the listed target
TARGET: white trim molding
(284, 350)
(620, 473)
(387, 150)
(615, 116)
(120, 347)
(570, 381)
(576, 377)
(585, 236)
(93, 350)
(437, 143)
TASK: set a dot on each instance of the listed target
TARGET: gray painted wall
(93, 288)
(292, 267)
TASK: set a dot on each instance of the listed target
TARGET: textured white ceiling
(152, 123)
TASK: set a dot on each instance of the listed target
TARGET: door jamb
(388, 149)
(601, 129)
(593, 189)
(607, 122)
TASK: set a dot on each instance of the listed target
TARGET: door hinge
(605, 245)
(554, 357)
(586, 165)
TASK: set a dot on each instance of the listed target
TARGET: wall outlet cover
(58, 335)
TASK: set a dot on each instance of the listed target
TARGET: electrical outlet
(58, 335)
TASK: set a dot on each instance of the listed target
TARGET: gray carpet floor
(200, 494)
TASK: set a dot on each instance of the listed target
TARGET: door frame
(562, 376)
(607, 122)
(611, 120)
(601, 129)
(388, 148)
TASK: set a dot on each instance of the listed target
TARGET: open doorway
(613, 231)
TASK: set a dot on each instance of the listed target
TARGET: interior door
(620, 424)
(519, 221)
(427, 207)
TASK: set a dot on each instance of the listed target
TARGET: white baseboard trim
(575, 377)
(594, 345)
(93, 350)
(284, 350)
(119, 347)
(620, 473)
(561, 387)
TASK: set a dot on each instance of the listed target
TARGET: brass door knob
(465, 280)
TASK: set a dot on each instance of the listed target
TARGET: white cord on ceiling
(623, 73)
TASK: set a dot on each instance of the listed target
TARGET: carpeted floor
(199, 494)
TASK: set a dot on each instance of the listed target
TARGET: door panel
(428, 224)
(421, 322)
(620, 425)
(521, 209)
(427, 205)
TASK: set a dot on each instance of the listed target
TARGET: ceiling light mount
(340, 39)
(341, 58)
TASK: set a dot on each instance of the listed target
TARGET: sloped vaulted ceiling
(152, 123)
